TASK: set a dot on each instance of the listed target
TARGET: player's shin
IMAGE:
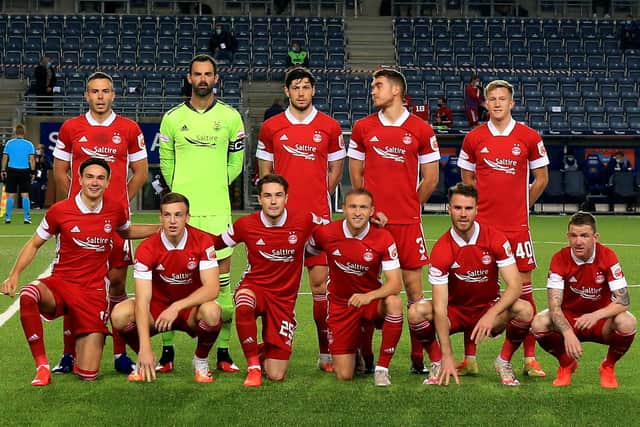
(417, 347)
(320, 319)
(32, 324)
(130, 335)
(620, 344)
(529, 346)
(517, 330)
(207, 335)
(119, 345)
(69, 338)
(553, 343)
(391, 331)
(426, 334)
(247, 328)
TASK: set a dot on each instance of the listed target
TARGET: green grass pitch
(309, 396)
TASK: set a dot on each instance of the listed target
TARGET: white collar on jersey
(84, 208)
(93, 121)
(348, 234)
(267, 223)
(169, 246)
(312, 115)
(507, 131)
(385, 122)
(460, 241)
(578, 261)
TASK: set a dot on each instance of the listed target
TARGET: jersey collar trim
(578, 261)
(385, 122)
(307, 120)
(84, 208)
(460, 241)
(213, 104)
(348, 234)
(169, 246)
(267, 223)
(507, 131)
(94, 122)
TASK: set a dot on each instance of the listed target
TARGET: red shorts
(522, 248)
(278, 322)
(344, 322)
(182, 321)
(312, 261)
(88, 308)
(593, 334)
(122, 252)
(465, 318)
(412, 248)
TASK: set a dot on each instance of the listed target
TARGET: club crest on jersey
(107, 226)
(600, 278)
(293, 239)
(217, 125)
(317, 137)
(116, 139)
(192, 264)
(368, 256)
(516, 151)
(486, 259)
(406, 139)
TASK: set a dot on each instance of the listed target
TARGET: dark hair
(172, 197)
(395, 76)
(95, 161)
(358, 192)
(298, 73)
(203, 57)
(443, 99)
(99, 75)
(272, 178)
(463, 190)
(583, 218)
(20, 130)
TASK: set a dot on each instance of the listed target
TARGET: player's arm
(32, 162)
(235, 156)
(146, 364)
(619, 304)
(61, 176)
(167, 151)
(25, 257)
(139, 171)
(468, 177)
(511, 277)
(356, 172)
(572, 344)
(440, 301)
(139, 231)
(430, 176)
(391, 286)
(540, 181)
(334, 173)
(265, 167)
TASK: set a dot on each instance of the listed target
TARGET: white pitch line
(9, 312)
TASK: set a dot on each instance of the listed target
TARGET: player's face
(93, 181)
(384, 92)
(300, 94)
(202, 79)
(499, 103)
(358, 209)
(174, 218)
(462, 210)
(582, 241)
(272, 198)
(100, 96)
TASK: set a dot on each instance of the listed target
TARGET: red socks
(320, 317)
(391, 331)
(247, 327)
(31, 323)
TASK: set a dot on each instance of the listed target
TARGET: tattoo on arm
(555, 308)
(622, 296)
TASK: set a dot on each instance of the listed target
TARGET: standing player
(201, 153)
(275, 238)
(588, 301)
(176, 276)
(397, 148)
(500, 155)
(358, 254)
(18, 168)
(103, 134)
(465, 263)
(84, 225)
(305, 146)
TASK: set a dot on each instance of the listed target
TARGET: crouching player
(465, 263)
(357, 253)
(588, 301)
(275, 239)
(78, 286)
(177, 280)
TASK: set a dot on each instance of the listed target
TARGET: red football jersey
(470, 269)
(355, 262)
(275, 253)
(501, 163)
(84, 239)
(301, 151)
(587, 285)
(117, 140)
(393, 153)
(174, 271)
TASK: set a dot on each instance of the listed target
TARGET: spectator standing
(222, 44)
(45, 80)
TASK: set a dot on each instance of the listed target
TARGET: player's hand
(586, 321)
(360, 300)
(379, 219)
(146, 365)
(482, 330)
(9, 286)
(166, 318)
(572, 345)
(447, 370)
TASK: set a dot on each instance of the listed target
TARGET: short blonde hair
(20, 130)
(496, 84)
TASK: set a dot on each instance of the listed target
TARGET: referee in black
(18, 168)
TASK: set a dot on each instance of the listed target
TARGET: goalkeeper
(201, 153)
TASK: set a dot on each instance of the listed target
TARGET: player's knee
(541, 322)
(420, 312)
(211, 313)
(625, 323)
(276, 375)
(393, 304)
(523, 310)
(343, 374)
(123, 314)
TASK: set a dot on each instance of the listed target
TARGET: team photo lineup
(368, 268)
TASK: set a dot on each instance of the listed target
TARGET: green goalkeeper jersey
(201, 153)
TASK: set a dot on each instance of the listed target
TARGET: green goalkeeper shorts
(214, 224)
